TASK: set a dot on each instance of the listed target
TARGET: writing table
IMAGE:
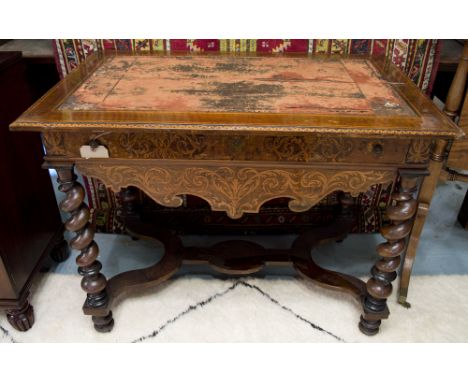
(238, 131)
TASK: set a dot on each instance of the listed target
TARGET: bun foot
(21, 319)
(103, 324)
(369, 327)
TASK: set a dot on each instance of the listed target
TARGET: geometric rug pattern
(274, 309)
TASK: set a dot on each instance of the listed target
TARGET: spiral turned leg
(379, 286)
(93, 282)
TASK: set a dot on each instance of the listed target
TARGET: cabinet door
(28, 210)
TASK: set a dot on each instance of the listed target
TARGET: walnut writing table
(238, 131)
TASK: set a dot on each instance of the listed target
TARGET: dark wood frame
(31, 228)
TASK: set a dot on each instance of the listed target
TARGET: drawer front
(286, 148)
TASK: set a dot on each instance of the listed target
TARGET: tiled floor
(443, 246)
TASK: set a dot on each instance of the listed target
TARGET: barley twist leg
(93, 282)
(379, 286)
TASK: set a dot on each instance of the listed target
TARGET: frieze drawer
(198, 146)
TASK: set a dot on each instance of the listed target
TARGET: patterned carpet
(276, 309)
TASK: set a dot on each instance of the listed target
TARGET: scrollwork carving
(314, 148)
(233, 189)
(54, 143)
(162, 145)
(419, 151)
(241, 147)
(308, 148)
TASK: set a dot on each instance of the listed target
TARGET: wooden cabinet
(30, 225)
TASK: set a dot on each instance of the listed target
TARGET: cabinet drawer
(285, 148)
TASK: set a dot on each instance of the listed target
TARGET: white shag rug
(286, 309)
